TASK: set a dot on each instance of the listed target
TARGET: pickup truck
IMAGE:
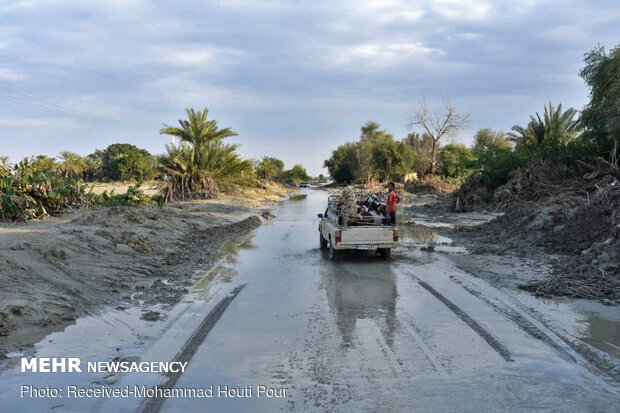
(363, 235)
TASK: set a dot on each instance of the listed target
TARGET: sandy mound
(55, 270)
(569, 210)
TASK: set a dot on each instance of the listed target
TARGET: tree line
(197, 164)
(555, 133)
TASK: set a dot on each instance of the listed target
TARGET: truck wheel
(333, 253)
(386, 253)
(322, 241)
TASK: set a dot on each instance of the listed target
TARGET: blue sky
(293, 78)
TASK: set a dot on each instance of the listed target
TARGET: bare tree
(444, 122)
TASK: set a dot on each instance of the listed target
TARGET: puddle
(297, 197)
(13, 354)
(424, 238)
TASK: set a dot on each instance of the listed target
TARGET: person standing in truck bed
(390, 205)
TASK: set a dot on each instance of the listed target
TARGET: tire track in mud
(522, 322)
(154, 404)
(473, 324)
(575, 351)
(414, 334)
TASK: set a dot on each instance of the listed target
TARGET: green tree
(269, 168)
(555, 128)
(456, 160)
(201, 165)
(601, 116)
(421, 147)
(343, 164)
(134, 166)
(71, 165)
(139, 166)
(5, 167)
(296, 174)
(487, 138)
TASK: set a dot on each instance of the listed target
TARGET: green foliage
(456, 161)
(375, 156)
(123, 162)
(5, 167)
(497, 163)
(72, 165)
(296, 174)
(201, 165)
(31, 189)
(269, 168)
(421, 148)
(487, 138)
(601, 116)
(555, 128)
(343, 163)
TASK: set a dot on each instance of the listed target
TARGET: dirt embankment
(570, 213)
(53, 271)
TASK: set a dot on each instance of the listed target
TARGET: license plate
(366, 247)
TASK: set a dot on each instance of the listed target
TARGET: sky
(294, 79)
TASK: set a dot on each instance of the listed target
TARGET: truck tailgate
(368, 235)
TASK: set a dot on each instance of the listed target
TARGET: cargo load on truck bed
(363, 227)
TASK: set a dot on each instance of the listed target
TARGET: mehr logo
(51, 365)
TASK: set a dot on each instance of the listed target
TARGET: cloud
(317, 69)
(471, 10)
(216, 58)
(10, 74)
(380, 55)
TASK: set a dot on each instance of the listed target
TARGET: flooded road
(282, 328)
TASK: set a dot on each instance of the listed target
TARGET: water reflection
(225, 271)
(356, 292)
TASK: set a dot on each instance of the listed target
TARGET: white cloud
(196, 55)
(10, 74)
(378, 55)
(471, 10)
(470, 36)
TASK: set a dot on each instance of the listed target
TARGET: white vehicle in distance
(304, 185)
(367, 232)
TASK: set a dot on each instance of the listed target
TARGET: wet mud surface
(423, 332)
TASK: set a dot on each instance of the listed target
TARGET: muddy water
(360, 334)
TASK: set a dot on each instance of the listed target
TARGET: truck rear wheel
(333, 253)
(385, 253)
(322, 241)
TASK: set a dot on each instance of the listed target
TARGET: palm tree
(72, 164)
(201, 165)
(197, 130)
(555, 128)
(5, 167)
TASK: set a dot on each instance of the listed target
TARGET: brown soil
(550, 209)
(53, 271)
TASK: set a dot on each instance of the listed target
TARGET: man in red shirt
(390, 205)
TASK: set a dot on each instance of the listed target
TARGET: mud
(55, 271)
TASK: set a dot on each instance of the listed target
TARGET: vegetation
(439, 125)
(555, 128)
(296, 175)
(198, 165)
(456, 160)
(36, 187)
(124, 162)
(375, 156)
(601, 116)
(269, 168)
(201, 165)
